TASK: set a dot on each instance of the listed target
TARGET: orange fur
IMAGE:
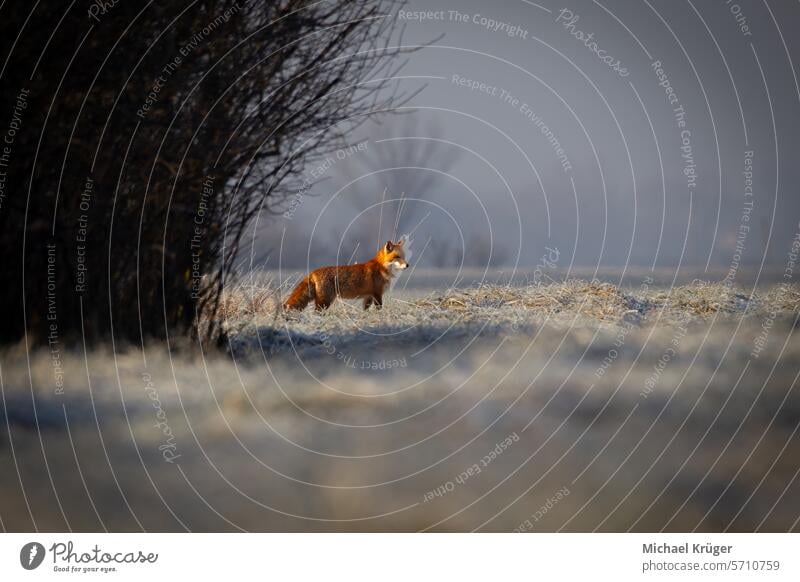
(363, 280)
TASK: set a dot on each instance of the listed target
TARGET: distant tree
(415, 156)
(150, 137)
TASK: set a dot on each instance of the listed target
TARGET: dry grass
(347, 420)
(601, 301)
(255, 322)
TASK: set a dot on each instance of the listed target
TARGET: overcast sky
(617, 132)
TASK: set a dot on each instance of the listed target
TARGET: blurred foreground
(573, 406)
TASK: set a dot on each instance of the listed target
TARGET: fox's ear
(389, 246)
(399, 243)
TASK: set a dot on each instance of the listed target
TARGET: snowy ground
(567, 406)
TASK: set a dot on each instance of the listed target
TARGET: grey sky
(545, 87)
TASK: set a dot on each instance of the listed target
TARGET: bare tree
(411, 157)
(151, 138)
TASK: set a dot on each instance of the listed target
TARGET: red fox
(368, 280)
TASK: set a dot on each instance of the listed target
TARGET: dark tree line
(139, 140)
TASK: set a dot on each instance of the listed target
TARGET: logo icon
(31, 555)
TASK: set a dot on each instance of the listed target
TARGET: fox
(368, 280)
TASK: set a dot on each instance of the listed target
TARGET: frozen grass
(601, 301)
(655, 408)
(255, 321)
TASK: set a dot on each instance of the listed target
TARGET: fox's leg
(367, 302)
(324, 294)
(378, 301)
(321, 304)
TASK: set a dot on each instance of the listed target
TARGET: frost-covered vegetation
(569, 406)
(254, 320)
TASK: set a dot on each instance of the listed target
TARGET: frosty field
(570, 405)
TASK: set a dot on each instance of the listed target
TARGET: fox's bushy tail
(302, 295)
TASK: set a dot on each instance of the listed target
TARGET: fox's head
(393, 255)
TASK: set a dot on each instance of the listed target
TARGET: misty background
(483, 179)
